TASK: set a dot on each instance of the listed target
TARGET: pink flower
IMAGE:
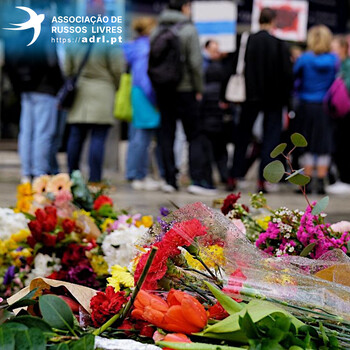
(239, 224)
(63, 197)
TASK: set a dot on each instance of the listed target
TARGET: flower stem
(217, 281)
(120, 316)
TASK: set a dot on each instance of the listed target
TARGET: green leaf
(274, 171)
(195, 346)
(61, 346)
(226, 302)
(299, 179)
(248, 326)
(33, 322)
(5, 315)
(7, 340)
(32, 339)
(85, 343)
(307, 250)
(320, 206)
(296, 172)
(15, 327)
(56, 312)
(278, 150)
(24, 301)
(298, 140)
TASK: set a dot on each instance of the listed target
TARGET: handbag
(337, 99)
(66, 94)
(236, 89)
(122, 104)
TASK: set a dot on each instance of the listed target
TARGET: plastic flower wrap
(285, 279)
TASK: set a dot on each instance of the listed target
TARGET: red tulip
(181, 313)
(74, 306)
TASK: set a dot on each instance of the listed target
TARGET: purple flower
(83, 274)
(164, 211)
(9, 275)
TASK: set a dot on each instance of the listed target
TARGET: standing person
(340, 46)
(145, 117)
(211, 113)
(177, 75)
(35, 74)
(316, 70)
(268, 76)
(92, 110)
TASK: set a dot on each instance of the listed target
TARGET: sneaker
(146, 184)
(166, 188)
(195, 189)
(339, 188)
(26, 179)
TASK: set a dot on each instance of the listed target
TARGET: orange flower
(181, 312)
(173, 337)
(58, 183)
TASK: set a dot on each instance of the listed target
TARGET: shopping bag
(122, 106)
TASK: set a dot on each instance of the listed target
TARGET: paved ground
(149, 202)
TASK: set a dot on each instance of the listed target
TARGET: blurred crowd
(191, 101)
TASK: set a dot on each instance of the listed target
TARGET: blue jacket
(136, 54)
(315, 75)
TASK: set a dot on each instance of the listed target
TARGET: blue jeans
(57, 141)
(137, 156)
(77, 136)
(37, 127)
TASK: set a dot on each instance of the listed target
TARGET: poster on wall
(292, 18)
(216, 20)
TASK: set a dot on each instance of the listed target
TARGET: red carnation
(73, 254)
(235, 283)
(40, 215)
(180, 235)
(51, 211)
(68, 225)
(229, 202)
(102, 200)
(49, 240)
(105, 305)
(49, 224)
(58, 275)
(36, 229)
(60, 236)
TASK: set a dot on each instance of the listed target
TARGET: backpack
(337, 99)
(165, 59)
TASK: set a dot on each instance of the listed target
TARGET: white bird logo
(34, 22)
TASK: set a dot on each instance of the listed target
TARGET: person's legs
(271, 137)
(97, 151)
(26, 135)
(220, 155)
(76, 138)
(167, 103)
(341, 149)
(248, 116)
(45, 111)
(57, 141)
(137, 161)
(199, 157)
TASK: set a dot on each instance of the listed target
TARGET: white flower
(118, 247)
(11, 222)
(291, 249)
(44, 265)
(279, 252)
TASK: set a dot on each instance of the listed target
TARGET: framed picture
(216, 20)
(292, 18)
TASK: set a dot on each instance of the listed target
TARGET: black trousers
(183, 106)
(272, 129)
(341, 154)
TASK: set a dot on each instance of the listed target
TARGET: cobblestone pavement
(149, 202)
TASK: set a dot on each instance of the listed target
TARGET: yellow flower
(263, 222)
(99, 265)
(120, 277)
(3, 248)
(11, 244)
(106, 224)
(146, 221)
(24, 190)
(20, 236)
(17, 255)
(212, 256)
